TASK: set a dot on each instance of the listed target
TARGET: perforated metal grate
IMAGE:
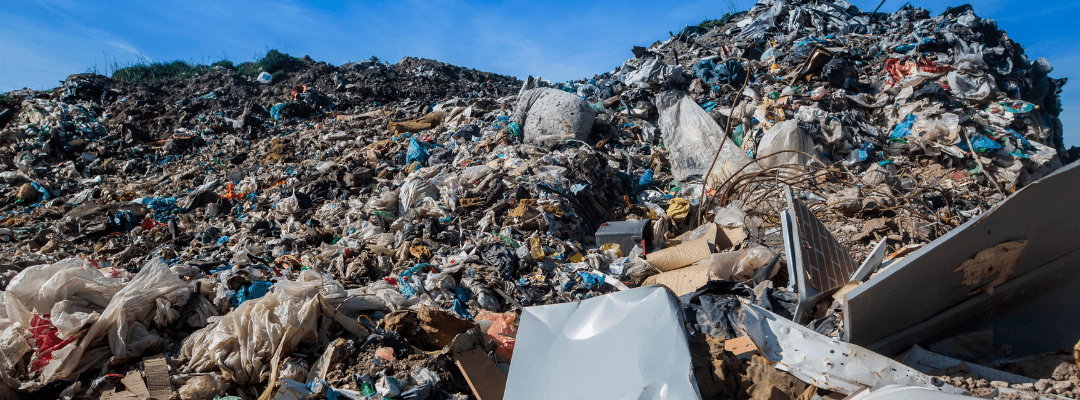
(825, 262)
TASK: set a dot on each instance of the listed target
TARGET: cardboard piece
(156, 372)
(741, 346)
(333, 353)
(134, 383)
(485, 379)
(681, 281)
(134, 388)
(673, 258)
(715, 239)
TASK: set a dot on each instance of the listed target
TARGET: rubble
(714, 218)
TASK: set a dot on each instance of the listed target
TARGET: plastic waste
(686, 130)
(241, 344)
(549, 116)
(783, 144)
(203, 387)
(127, 322)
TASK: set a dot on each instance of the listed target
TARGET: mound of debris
(420, 230)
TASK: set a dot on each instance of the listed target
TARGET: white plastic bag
(738, 265)
(474, 175)
(692, 137)
(413, 191)
(385, 200)
(550, 116)
(780, 140)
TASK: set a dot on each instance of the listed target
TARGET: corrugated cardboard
(156, 372)
(716, 239)
(681, 281)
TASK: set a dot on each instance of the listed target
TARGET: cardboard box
(681, 281)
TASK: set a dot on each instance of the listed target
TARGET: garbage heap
(381, 231)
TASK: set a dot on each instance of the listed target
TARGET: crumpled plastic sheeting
(71, 290)
(730, 72)
(413, 191)
(127, 321)
(971, 87)
(652, 73)
(689, 131)
(244, 341)
(827, 16)
(826, 362)
(632, 342)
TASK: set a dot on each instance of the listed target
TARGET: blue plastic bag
(982, 144)
(903, 129)
(255, 290)
(646, 178)
(730, 72)
(159, 202)
(416, 152)
(275, 111)
(590, 281)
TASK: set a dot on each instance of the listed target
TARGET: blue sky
(43, 41)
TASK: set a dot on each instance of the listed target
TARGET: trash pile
(789, 204)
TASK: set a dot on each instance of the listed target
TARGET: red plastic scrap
(503, 331)
(898, 68)
(45, 341)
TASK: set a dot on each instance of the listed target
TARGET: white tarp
(627, 345)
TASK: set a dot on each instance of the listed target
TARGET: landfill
(696, 223)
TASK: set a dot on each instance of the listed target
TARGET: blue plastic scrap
(903, 129)
(590, 280)
(982, 144)
(462, 296)
(811, 39)
(646, 178)
(417, 151)
(275, 111)
(44, 193)
(406, 289)
(255, 290)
